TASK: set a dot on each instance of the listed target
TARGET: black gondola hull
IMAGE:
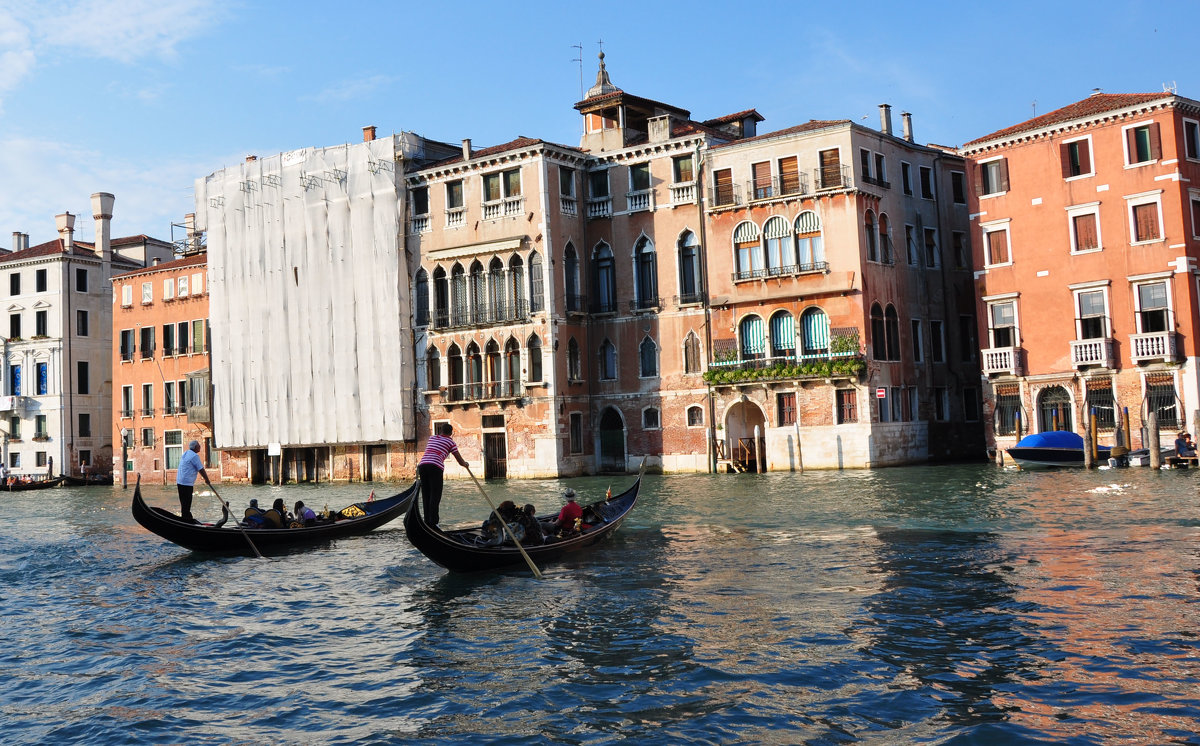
(229, 538)
(41, 484)
(447, 548)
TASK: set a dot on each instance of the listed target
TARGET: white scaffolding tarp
(309, 298)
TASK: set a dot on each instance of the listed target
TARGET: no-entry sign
(881, 393)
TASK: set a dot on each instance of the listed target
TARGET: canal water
(954, 604)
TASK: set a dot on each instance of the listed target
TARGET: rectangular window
(786, 405)
(1003, 324)
(1092, 322)
(993, 177)
(181, 390)
(147, 437)
(941, 403)
(127, 344)
(127, 401)
(41, 427)
(885, 406)
(182, 286)
(1145, 221)
(1195, 217)
(81, 323)
(931, 248)
(996, 241)
(847, 406)
(169, 288)
(1162, 400)
(197, 283)
(420, 200)
(566, 181)
(1153, 314)
(830, 170)
(1191, 139)
(40, 458)
(576, 432)
(126, 296)
(958, 185)
(168, 338)
(182, 335)
(173, 447)
(918, 346)
(937, 342)
(147, 342)
(169, 402)
(40, 322)
(760, 174)
(682, 169)
(906, 177)
(82, 377)
(39, 280)
(85, 457)
(81, 280)
(14, 283)
(1076, 158)
(1008, 409)
(1100, 400)
(41, 372)
(14, 428)
(454, 195)
(639, 177)
(598, 184)
(14, 326)
(880, 169)
(958, 241)
(85, 425)
(491, 187)
(1142, 144)
(966, 339)
(970, 404)
(14, 460)
(147, 293)
(864, 162)
(212, 457)
(926, 182)
(14, 380)
(1085, 232)
(910, 244)
(789, 175)
(147, 400)
(199, 343)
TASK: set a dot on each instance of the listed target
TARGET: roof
(809, 126)
(193, 260)
(1097, 103)
(735, 117)
(517, 144)
(78, 248)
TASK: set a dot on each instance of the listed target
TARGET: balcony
(787, 270)
(599, 207)
(683, 194)
(603, 305)
(127, 412)
(493, 391)
(127, 356)
(12, 403)
(420, 224)
(833, 177)
(147, 411)
(491, 314)
(777, 187)
(689, 299)
(576, 303)
(640, 201)
(1006, 360)
(504, 208)
(456, 218)
(1152, 347)
(148, 352)
(645, 305)
(724, 195)
(875, 182)
(568, 205)
(843, 358)
(1092, 352)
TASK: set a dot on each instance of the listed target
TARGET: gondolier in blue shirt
(432, 467)
(185, 478)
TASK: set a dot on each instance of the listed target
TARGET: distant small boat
(88, 480)
(1053, 448)
(16, 484)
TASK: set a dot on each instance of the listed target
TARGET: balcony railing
(488, 315)
(683, 194)
(843, 343)
(127, 355)
(875, 182)
(505, 208)
(640, 200)
(689, 299)
(576, 303)
(147, 411)
(777, 187)
(645, 304)
(603, 305)
(1002, 360)
(1155, 346)
(599, 207)
(725, 195)
(148, 353)
(489, 391)
(420, 224)
(786, 270)
(568, 205)
(1088, 352)
(456, 218)
(832, 178)
(127, 411)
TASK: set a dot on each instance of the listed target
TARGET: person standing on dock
(185, 478)
(432, 467)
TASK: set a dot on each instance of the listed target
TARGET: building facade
(1086, 224)
(58, 347)
(160, 368)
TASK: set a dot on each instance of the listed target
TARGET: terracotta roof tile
(814, 124)
(1092, 105)
(735, 117)
(193, 260)
(517, 144)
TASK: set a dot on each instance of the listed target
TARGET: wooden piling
(1089, 444)
(1152, 441)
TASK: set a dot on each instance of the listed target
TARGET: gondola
(37, 484)
(88, 480)
(355, 519)
(459, 550)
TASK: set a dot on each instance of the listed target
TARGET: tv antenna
(579, 58)
(1172, 88)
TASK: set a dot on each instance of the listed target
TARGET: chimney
(24, 241)
(192, 239)
(102, 206)
(66, 230)
(466, 149)
(907, 125)
(16, 241)
(369, 133)
(885, 118)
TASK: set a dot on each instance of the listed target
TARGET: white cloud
(16, 52)
(349, 90)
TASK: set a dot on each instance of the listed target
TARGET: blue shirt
(189, 466)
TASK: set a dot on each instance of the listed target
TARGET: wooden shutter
(1064, 159)
(831, 168)
(1085, 232)
(1085, 156)
(997, 247)
(1145, 219)
(1155, 142)
(789, 175)
(1003, 185)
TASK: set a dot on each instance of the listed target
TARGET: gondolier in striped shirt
(432, 467)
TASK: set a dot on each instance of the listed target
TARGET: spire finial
(603, 84)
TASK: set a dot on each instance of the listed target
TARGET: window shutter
(979, 180)
(1064, 157)
(1131, 145)
(1003, 174)
(1155, 142)
(1085, 157)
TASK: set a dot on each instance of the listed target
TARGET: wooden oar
(239, 523)
(528, 560)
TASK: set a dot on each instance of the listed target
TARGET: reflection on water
(967, 604)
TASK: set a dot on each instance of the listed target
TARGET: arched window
(433, 369)
(646, 273)
(810, 250)
(478, 294)
(691, 353)
(777, 236)
(608, 361)
(441, 298)
(574, 369)
(648, 358)
(814, 325)
(783, 335)
(878, 335)
(512, 368)
(885, 239)
(748, 251)
(754, 338)
(891, 322)
(497, 295)
(535, 358)
(571, 278)
(516, 287)
(474, 379)
(651, 419)
(695, 416)
(872, 246)
(1054, 409)
(604, 280)
(457, 378)
(421, 298)
(460, 310)
(537, 296)
(690, 285)
(495, 372)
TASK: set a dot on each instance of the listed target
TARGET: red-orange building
(160, 367)
(1086, 228)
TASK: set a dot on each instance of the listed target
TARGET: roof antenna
(579, 59)
(1172, 88)
(1034, 105)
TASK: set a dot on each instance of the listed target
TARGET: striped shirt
(436, 451)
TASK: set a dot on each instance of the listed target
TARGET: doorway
(612, 441)
(495, 456)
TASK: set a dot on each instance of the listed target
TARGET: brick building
(1087, 233)
(160, 367)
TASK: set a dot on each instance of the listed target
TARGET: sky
(142, 97)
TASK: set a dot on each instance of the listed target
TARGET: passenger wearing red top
(570, 513)
(432, 467)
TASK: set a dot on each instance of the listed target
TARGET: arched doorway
(743, 448)
(612, 441)
(1054, 409)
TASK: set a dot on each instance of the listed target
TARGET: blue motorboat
(1053, 448)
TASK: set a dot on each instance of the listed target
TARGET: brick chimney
(466, 149)
(904, 115)
(102, 206)
(66, 230)
(885, 118)
(369, 133)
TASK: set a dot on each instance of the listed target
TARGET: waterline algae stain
(964, 603)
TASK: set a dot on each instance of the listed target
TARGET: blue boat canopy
(1052, 439)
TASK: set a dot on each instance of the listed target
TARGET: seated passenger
(493, 532)
(304, 515)
(1184, 445)
(570, 518)
(254, 517)
(532, 529)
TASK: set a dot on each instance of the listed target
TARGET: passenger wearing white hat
(571, 513)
